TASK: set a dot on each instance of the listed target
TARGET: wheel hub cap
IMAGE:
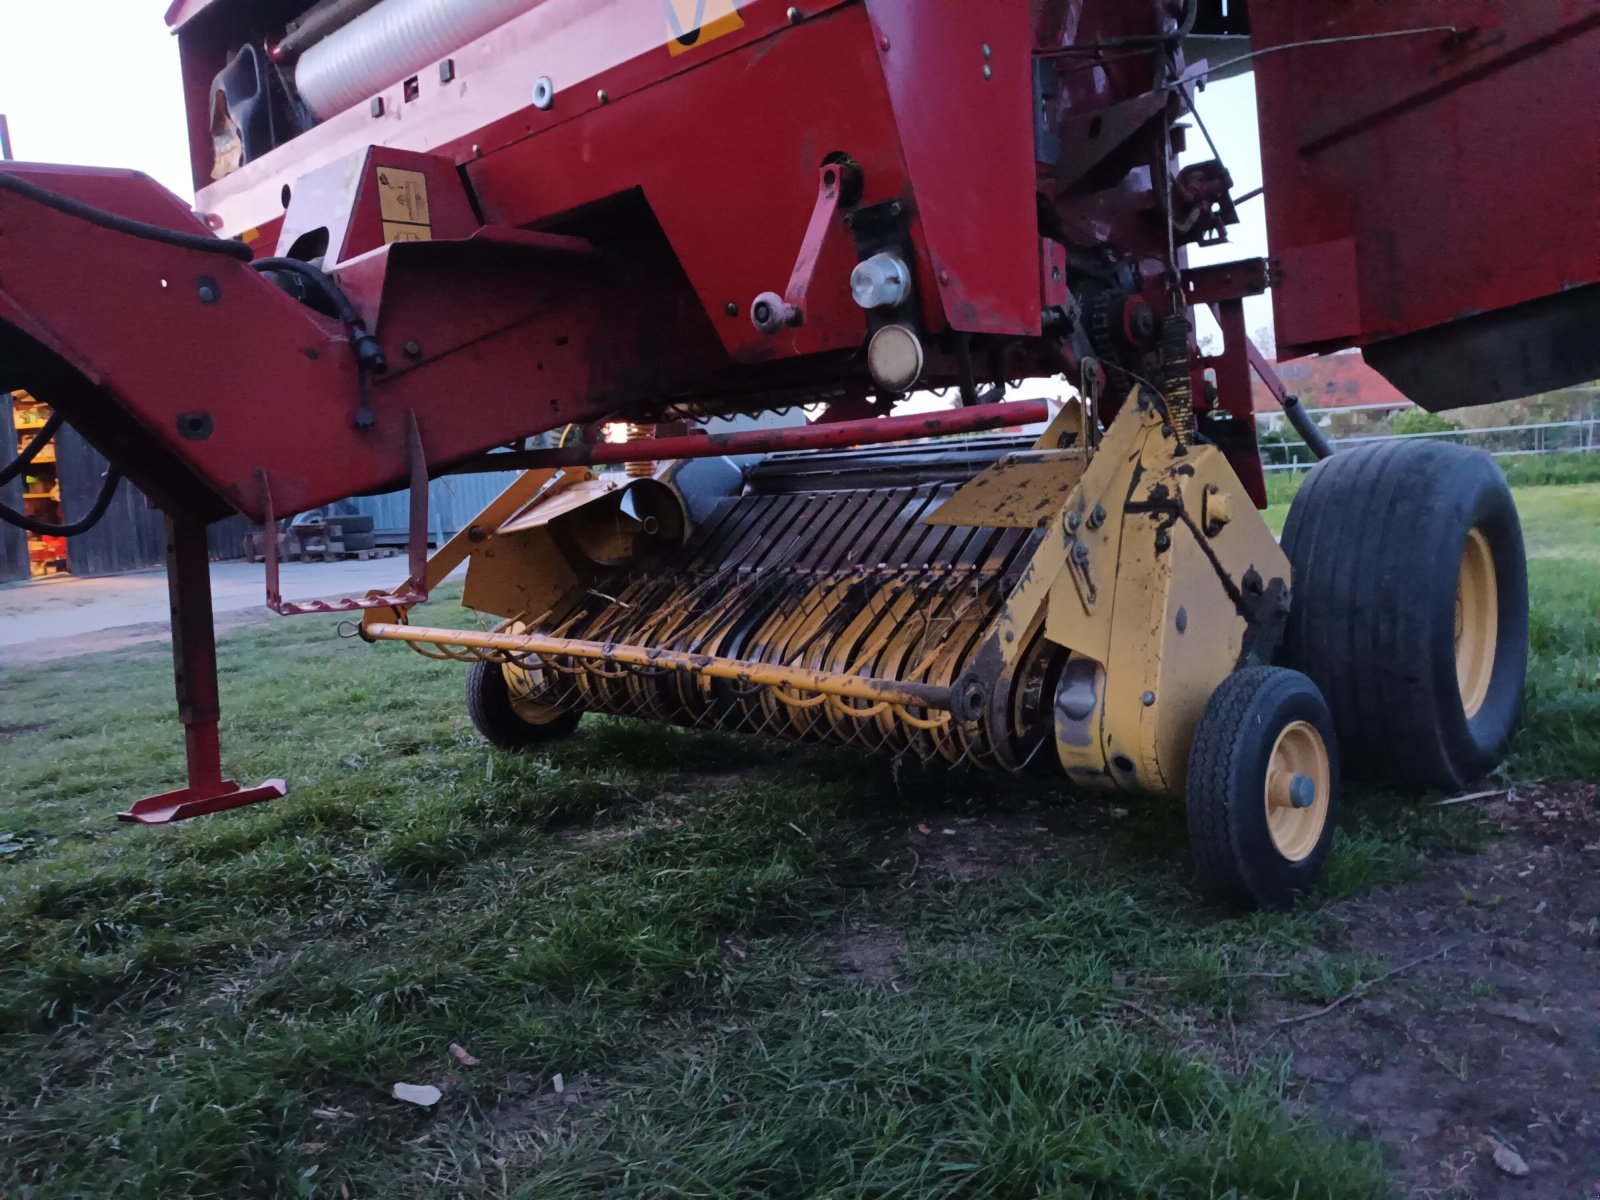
(1298, 784)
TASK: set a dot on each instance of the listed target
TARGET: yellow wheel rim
(1477, 622)
(525, 682)
(1298, 784)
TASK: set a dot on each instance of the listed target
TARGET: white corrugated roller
(391, 42)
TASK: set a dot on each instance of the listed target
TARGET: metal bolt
(377, 106)
(447, 70)
(1074, 519)
(477, 152)
(988, 72)
(1098, 517)
(896, 209)
(849, 220)
(883, 42)
(1163, 540)
(732, 310)
(944, 278)
(208, 293)
(986, 50)
(1080, 553)
(413, 349)
(604, 96)
(544, 93)
(795, 15)
(1302, 791)
(1148, 699)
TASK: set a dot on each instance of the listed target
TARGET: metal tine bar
(736, 517)
(863, 533)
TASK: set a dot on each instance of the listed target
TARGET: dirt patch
(1493, 1045)
(528, 1103)
(7, 732)
(872, 956)
(940, 845)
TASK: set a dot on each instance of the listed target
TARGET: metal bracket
(415, 590)
(838, 185)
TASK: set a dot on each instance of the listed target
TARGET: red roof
(1331, 381)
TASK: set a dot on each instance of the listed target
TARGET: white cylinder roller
(391, 42)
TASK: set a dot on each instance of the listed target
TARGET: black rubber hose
(318, 279)
(31, 451)
(82, 525)
(369, 352)
(205, 243)
(1306, 426)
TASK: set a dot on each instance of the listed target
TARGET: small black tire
(1380, 539)
(1254, 844)
(353, 524)
(359, 541)
(497, 717)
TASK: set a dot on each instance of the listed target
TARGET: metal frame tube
(853, 687)
(834, 435)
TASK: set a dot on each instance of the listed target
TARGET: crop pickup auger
(427, 230)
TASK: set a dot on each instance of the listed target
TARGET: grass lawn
(731, 955)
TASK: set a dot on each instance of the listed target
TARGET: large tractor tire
(1262, 793)
(1410, 609)
(507, 713)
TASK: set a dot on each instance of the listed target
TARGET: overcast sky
(96, 82)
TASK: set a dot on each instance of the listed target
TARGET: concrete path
(50, 618)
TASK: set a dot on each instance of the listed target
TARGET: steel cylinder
(390, 42)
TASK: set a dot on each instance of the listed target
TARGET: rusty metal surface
(1021, 491)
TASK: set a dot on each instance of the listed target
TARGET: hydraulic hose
(72, 528)
(203, 242)
(31, 451)
(1306, 426)
(368, 350)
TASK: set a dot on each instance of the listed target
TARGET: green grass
(219, 1009)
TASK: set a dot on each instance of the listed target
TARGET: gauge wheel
(1263, 788)
(505, 703)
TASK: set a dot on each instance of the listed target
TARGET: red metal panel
(618, 48)
(960, 77)
(1426, 175)
(732, 184)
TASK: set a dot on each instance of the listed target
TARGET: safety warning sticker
(693, 23)
(403, 204)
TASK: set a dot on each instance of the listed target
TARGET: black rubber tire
(489, 706)
(352, 524)
(1225, 794)
(1375, 538)
(359, 541)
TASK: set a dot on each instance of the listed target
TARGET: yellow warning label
(693, 23)
(399, 231)
(403, 204)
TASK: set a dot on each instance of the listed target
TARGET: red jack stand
(194, 669)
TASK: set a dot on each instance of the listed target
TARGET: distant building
(1340, 380)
